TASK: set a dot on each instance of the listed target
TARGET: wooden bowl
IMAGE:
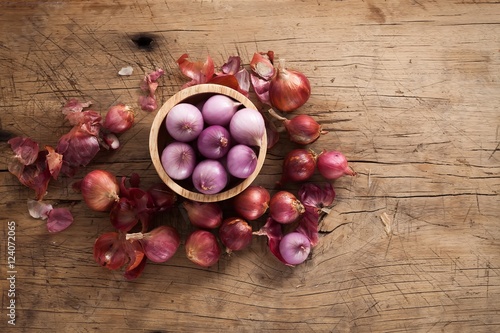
(159, 138)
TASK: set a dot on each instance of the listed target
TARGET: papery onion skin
(122, 215)
(163, 197)
(209, 177)
(309, 226)
(100, 190)
(25, 149)
(59, 219)
(206, 215)
(289, 89)
(214, 142)
(252, 202)
(161, 243)
(202, 248)
(298, 165)
(184, 122)
(235, 233)
(109, 252)
(285, 208)
(273, 231)
(178, 160)
(241, 161)
(295, 248)
(333, 165)
(219, 109)
(248, 127)
(314, 197)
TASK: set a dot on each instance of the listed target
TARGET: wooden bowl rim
(158, 121)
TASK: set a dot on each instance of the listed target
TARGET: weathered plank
(409, 91)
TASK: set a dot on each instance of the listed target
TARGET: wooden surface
(409, 91)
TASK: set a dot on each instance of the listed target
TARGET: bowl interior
(159, 138)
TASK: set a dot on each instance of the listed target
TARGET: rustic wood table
(408, 90)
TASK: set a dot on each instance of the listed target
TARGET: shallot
(241, 161)
(214, 142)
(206, 215)
(298, 165)
(289, 89)
(247, 127)
(209, 177)
(202, 248)
(333, 165)
(285, 208)
(178, 160)
(119, 118)
(160, 244)
(252, 202)
(235, 233)
(302, 129)
(100, 190)
(219, 109)
(295, 248)
(184, 122)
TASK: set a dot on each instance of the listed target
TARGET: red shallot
(333, 165)
(289, 89)
(252, 202)
(295, 248)
(206, 215)
(160, 244)
(214, 142)
(247, 127)
(184, 122)
(302, 129)
(178, 160)
(298, 165)
(235, 233)
(219, 109)
(119, 118)
(100, 190)
(241, 161)
(285, 208)
(209, 177)
(202, 248)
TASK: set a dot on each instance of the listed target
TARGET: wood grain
(408, 90)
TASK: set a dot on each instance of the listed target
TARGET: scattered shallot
(252, 202)
(302, 129)
(289, 89)
(295, 248)
(202, 248)
(298, 165)
(285, 208)
(235, 233)
(333, 165)
(100, 190)
(119, 118)
(206, 215)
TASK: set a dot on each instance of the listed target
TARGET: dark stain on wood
(376, 14)
(144, 41)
